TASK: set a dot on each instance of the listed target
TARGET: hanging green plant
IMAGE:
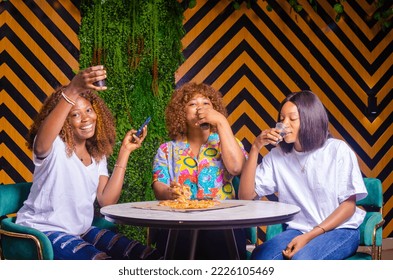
(384, 13)
(139, 43)
(339, 9)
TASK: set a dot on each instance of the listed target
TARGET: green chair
(23, 243)
(370, 246)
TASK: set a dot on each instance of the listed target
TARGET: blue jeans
(336, 244)
(98, 244)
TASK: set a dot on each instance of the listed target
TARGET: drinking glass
(282, 130)
(204, 126)
(100, 83)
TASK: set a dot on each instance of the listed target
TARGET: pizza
(183, 200)
(183, 192)
(189, 203)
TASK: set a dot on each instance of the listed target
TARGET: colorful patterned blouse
(205, 174)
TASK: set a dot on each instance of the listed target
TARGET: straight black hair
(314, 121)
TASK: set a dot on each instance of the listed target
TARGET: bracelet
(122, 167)
(324, 231)
(66, 98)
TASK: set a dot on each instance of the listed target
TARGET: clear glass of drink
(282, 130)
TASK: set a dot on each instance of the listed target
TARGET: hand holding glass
(282, 130)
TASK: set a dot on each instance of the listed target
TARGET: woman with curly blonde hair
(71, 138)
(204, 155)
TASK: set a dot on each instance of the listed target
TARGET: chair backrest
(12, 197)
(374, 200)
(235, 183)
(371, 228)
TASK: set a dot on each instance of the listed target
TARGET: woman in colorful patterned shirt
(204, 154)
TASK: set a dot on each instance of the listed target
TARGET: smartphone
(139, 132)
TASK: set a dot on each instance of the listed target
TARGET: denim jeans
(336, 244)
(98, 244)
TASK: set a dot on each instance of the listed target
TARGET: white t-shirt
(63, 192)
(331, 176)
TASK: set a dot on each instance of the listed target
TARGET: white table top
(249, 213)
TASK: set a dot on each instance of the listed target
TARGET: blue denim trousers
(98, 244)
(336, 244)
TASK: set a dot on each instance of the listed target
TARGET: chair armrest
(371, 229)
(100, 222)
(20, 242)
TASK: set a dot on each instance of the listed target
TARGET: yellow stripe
(206, 45)
(74, 11)
(202, 24)
(19, 166)
(33, 73)
(5, 178)
(46, 34)
(20, 86)
(58, 21)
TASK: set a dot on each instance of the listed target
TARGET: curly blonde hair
(175, 113)
(103, 141)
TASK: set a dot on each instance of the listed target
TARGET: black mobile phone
(139, 132)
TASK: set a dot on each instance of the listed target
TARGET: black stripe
(17, 151)
(23, 76)
(245, 71)
(244, 95)
(244, 120)
(389, 97)
(344, 109)
(200, 14)
(369, 20)
(206, 33)
(77, 3)
(43, 44)
(387, 170)
(10, 170)
(53, 29)
(14, 120)
(18, 97)
(349, 45)
(66, 16)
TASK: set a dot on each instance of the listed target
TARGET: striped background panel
(252, 56)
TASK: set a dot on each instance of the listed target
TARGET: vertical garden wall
(139, 44)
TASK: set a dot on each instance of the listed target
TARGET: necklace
(302, 167)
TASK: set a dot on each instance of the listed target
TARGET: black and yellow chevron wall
(253, 56)
(256, 57)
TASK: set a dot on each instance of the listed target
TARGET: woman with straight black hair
(314, 171)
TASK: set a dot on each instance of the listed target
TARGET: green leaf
(387, 24)
(133, 33)
(338, 8)
(292, 2)
(269, 8)
(298, 8)
(191, 4)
